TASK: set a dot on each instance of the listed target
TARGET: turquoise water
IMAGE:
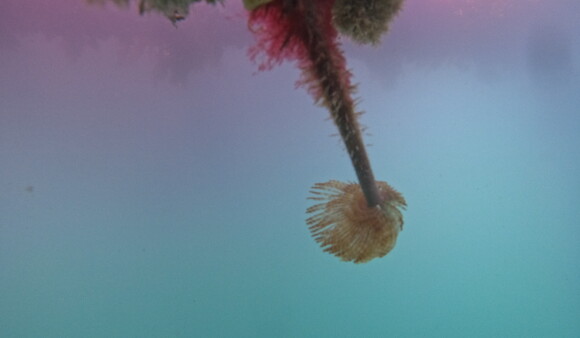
(145, 195)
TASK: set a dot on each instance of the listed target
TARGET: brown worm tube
(336, 96)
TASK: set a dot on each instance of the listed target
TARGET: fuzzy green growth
(364, 21)
(253, 4)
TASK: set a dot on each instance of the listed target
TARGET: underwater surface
(154, 182)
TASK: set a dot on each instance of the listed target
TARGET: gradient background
(153, 185)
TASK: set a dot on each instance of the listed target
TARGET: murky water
(152, 184)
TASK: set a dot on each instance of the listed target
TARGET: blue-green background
(152, 185)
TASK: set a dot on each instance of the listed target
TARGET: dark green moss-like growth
(174, 10)
(365, 21)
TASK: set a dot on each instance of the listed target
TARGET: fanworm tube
(356, 222)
